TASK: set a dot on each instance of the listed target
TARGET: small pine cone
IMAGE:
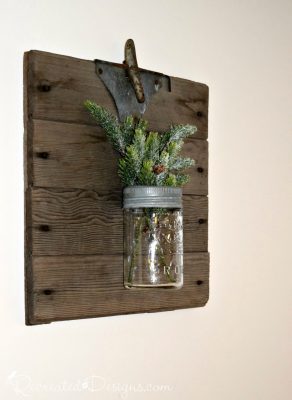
(158, 169)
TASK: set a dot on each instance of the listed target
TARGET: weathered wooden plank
(68, 287)
(79, 156)
(28, 174)
(61, 84)
(66, 222)
(73, 217)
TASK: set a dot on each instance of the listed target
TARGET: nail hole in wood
(201, 221)
(100, 71)
(47, 292)
(43, 154)
(44, 87)
(199, 282)
(44, 228)
(199, 114)
(200, 169)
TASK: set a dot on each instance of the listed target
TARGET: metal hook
(131, 88)
(133, 70)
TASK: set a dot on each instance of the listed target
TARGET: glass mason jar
(153, 237)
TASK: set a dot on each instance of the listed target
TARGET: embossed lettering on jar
(153, 237)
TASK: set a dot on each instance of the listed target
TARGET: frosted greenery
(147, 158)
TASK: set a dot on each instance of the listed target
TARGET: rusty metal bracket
(131, 87)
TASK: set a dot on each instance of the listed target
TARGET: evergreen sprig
(147, 158)
(111, 126)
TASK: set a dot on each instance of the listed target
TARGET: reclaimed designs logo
(24, 386)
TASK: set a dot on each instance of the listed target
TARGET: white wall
(239, 346)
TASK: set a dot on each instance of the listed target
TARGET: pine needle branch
(176, 133)
(147, 158)
(110, 125)
(181, 163)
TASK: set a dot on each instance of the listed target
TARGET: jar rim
(152, 196)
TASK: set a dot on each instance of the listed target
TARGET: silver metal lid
(152, 196)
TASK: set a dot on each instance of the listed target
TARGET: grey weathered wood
(28, 176)
(85, 222)
(70, 81)
(73, 216)
(68, 287)
(79, 156)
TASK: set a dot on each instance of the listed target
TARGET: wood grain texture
(61, 85)
(28, 176)
(85, 222)
(79, 156)
(73, 216)
(68, 287)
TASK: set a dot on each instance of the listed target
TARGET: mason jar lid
(152, 197)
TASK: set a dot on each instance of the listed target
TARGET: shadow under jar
(153, 237)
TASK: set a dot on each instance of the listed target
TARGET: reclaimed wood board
(73, 215)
